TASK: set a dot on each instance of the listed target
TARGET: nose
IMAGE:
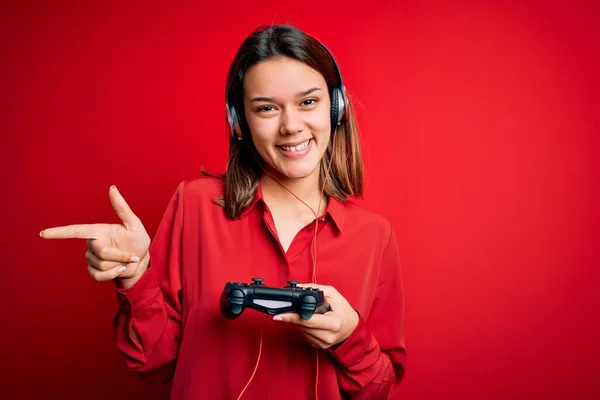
(291, 122)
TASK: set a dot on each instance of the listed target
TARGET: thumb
(331, 295)
(122, 208)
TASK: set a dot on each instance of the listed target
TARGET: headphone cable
(314, 262)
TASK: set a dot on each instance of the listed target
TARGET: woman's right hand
(114, 250)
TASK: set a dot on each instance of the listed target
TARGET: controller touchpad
(272, 303)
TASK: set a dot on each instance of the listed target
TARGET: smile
(298, 147)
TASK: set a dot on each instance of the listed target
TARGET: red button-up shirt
(174, 307)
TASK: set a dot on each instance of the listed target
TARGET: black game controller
(237, 296)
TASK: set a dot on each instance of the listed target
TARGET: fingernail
(277, 318)
(134, 259)
(121, 269)
(113, 187)
(41, 233)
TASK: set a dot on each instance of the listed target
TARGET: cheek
(320, 120)
(321, 129)
(263, 131)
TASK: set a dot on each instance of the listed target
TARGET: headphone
(339, 105)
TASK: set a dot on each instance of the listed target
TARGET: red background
(480, 130)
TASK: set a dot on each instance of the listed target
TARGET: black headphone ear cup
(335, 104)
(241, 124)
(234, 123)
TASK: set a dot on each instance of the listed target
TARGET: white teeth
(299, 147)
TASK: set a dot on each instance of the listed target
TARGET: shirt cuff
(143, 292)
(351, 351)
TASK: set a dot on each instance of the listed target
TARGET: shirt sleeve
(152, 306)
(371, 362)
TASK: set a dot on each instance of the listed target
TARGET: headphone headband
(338, 73)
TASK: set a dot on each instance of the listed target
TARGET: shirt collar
(336, 209)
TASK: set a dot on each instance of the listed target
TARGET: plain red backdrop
(480, 130)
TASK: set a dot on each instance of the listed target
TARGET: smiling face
(287, 108)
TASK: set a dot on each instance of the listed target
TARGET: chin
(301, 168)
(299, 172)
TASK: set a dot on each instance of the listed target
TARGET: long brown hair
(243, 169)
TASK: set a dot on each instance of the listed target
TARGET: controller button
(257, 281)
(293, 284)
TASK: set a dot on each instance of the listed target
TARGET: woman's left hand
(331, 328)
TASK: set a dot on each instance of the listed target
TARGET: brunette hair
(243, 169)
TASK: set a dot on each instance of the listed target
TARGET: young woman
(282, 211)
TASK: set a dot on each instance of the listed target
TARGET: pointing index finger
(80, 231)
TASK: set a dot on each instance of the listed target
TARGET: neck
(306, 189)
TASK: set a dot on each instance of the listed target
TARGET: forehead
(280, 77)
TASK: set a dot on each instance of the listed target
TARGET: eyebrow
(299, 94)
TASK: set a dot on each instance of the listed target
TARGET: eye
(265, 108)
(309, 102)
